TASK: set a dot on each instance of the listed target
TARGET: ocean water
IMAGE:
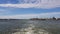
(30, 26)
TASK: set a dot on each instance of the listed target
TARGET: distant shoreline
(29, 19)
(35, 19)
(45, 18)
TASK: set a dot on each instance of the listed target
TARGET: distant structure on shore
(45, 18)
(58, 18)
(53, 18)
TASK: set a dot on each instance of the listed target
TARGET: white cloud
(37, 4)
(27, 16)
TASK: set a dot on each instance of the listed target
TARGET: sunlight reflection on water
(30, 27)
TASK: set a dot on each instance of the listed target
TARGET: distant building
(54, 18)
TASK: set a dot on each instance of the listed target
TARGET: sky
(25, 9)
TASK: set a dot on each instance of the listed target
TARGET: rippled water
(30, 27)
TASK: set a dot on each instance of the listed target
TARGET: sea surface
(35, 26)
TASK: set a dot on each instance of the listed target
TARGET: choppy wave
(30, 27)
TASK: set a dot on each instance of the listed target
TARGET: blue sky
(24, 9)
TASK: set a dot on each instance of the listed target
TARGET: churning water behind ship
(30, 27)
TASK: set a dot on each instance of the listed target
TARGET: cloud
(27, 16)
(45, 4)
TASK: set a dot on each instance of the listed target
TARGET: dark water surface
(10, 26)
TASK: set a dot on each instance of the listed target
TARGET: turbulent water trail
(30, 27)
